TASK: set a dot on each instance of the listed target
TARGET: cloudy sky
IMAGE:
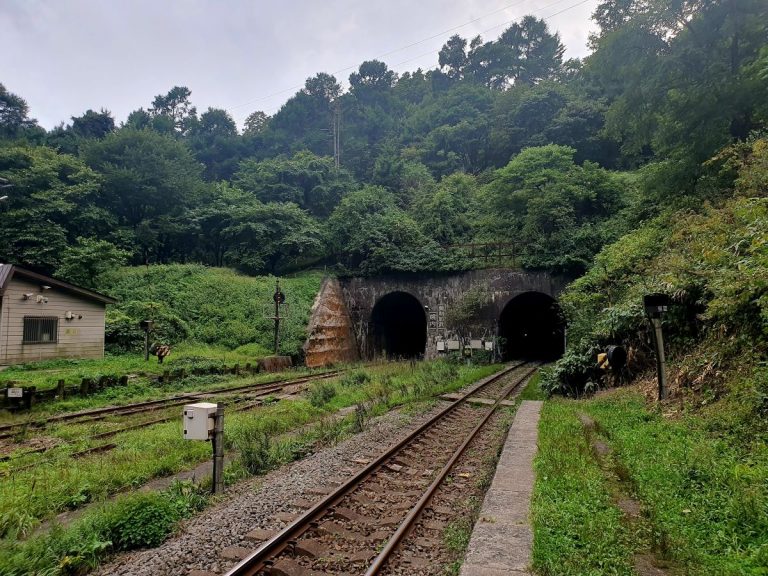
(65, 56)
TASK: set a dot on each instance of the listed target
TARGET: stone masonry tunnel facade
(415, 315)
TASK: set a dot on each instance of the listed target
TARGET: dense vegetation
(262, 439)
(504, 141)
(209, 306)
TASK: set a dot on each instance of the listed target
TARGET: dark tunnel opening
(399, 326)
(532, 327)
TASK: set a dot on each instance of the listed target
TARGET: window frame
(38, 329)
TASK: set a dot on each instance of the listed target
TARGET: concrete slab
(502, 537)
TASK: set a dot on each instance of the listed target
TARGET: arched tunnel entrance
(532, 327)
(398, 326)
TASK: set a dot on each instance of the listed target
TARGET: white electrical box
(199, 420)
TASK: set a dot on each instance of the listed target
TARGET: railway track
(262, 391)
(355, 528)
(85, 416)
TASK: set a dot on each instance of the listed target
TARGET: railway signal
(279, 298)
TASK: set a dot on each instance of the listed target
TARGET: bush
(321, 393)
(355, 379)
(140, 521)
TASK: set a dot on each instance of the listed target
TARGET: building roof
(9, 271)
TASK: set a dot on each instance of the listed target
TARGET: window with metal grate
(41, 330)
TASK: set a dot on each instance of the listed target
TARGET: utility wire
(425, 54)
(411, 45)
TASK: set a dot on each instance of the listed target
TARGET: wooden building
(43, 318)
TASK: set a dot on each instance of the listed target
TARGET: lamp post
(656, 305)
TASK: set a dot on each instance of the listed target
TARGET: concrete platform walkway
(502, 538)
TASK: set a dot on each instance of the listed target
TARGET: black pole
(217, 443)
(661, 364)
(277, 317)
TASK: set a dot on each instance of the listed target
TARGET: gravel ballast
(254, 503)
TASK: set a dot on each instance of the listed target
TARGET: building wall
(77, 338)
(438, 293)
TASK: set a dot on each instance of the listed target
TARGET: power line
(407, 46)
(429, 53)
(432, 52)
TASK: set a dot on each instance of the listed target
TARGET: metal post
(661, 364)
(277, 317)
(218, 451)
(146, 345)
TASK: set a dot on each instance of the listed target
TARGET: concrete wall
(331, 339)
(78, 338)
(438, 293)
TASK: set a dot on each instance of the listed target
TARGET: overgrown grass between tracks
(159, 450)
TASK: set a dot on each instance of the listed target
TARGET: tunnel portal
(399, 326)
(532, 327)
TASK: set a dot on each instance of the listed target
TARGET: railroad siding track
(10, 430)
(252, 401)
(379, 505)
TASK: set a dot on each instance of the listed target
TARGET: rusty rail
(261, 559)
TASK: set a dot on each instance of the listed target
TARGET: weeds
(254, 446)
(320, 393)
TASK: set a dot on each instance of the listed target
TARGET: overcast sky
(65, 56)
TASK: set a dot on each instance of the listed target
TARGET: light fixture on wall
(28, 295)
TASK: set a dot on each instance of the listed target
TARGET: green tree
(149, 181)
(256, 123)
(14, 114)
(310, 181)
(369, 234)
(556, 209)
(93, 124)
(177, 108)
(453, 56)
(274, 236)
(445, 212)
(215, 142)
(53, 201)
(679, 77)
(89, 260)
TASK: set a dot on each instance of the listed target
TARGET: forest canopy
(501, 142)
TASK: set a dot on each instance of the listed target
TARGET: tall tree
(176, 106)
(312, 182)
(149, 180)
(93, 124)
(453, 56)
(53, 201)
(14, 114)
(215, 142)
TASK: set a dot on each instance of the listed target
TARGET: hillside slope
(214, 306)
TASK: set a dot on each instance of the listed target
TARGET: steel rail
(405, 527)
(262, 390)
(8, 430)
(260, 559)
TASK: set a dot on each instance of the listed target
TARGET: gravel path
(250, 505)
